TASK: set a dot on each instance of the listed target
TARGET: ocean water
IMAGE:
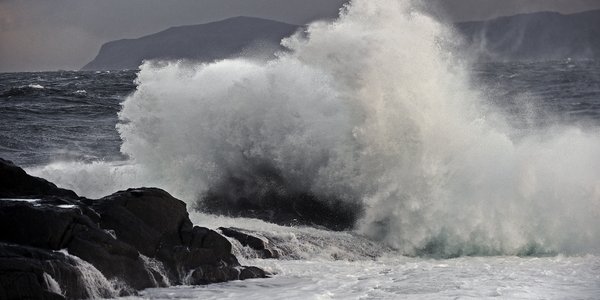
(474, 180)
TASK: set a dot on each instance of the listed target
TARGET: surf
(373, 114)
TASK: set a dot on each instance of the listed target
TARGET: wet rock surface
(262, 246)
(130, 240)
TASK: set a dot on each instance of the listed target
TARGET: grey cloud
(65, 34)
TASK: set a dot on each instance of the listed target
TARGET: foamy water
(372, 109)
(338, 265)
(406, 278)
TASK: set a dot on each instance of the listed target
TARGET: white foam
(96, 285)
(297, 242)
(407, 278)
(67, 206)
(20, 200)
(373, 109)
(154, 267)
(52, 285)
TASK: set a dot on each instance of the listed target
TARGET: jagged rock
(36, 225)
(118, 235)
(54, 228)
(32, 273)
(158, 225)
(147, 218)
(14, 182)
(252, 272)
(194, 237)
(114, 258)
(262, 247)
(217, 242)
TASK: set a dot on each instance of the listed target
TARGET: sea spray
(96, 285)
(371, 109)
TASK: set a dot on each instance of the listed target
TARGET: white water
(405, 278)
(153, 265)
(96, 285)
(371, 109)
(52, 285)
(336, 265)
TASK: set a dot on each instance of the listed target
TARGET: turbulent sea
(473, 180)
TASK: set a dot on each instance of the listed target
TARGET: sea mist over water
(372, 110)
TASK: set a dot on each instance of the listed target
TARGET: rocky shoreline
(55, 244)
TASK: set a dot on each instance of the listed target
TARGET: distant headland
(524, 37)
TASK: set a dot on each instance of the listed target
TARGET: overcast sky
(66, 34)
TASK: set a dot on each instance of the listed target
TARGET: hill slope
(205, 42)
(536, 36)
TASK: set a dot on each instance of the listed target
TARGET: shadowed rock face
(14, 182)
(205, 43)
(116, 234)
(258, 190)
(267, 196)
(25, 273)
(262, 246)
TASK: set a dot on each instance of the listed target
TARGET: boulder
(33, 273)
(146, 218)
(158, 226)
(50, 227)
(14, 182)
(260, 245)
(252, 272)
(138, 238)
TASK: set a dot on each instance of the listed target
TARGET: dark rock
(36, 225)
(145, 218)
(219, 243)
(262, 247)
(290, 209)
(158, 226)
(132, 237)
(252, 272)
(191, 258)
(54, 228)
(114, 258)
(262, 192)
(14, 182)
(28, 273)
(206, 274)
(196, 237)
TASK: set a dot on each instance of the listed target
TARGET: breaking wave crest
(373, 112)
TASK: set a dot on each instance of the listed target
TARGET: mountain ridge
(203, 42)
(521, 37)
(535, 36)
